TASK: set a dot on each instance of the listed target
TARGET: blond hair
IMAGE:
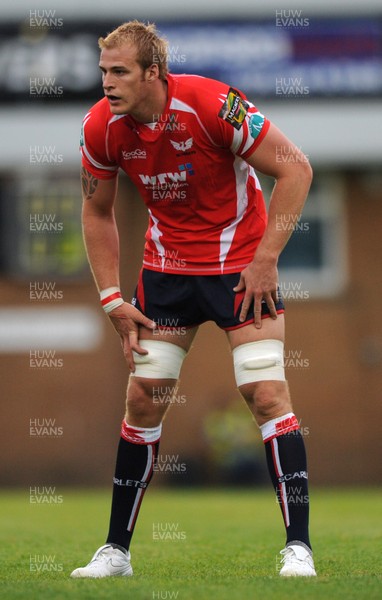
(150, 47)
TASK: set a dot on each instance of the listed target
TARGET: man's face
(123, 80)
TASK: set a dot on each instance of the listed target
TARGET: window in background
(41, 227)
(314, 263)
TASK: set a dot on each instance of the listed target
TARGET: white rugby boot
(106, 562)
(297, 561)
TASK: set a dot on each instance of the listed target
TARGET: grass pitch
(192, 545)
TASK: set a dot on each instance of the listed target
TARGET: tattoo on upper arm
(89, 183)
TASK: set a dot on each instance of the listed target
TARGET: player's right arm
(102, 246)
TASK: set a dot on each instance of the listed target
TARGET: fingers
(126, 320)
(275, 295)
(130, 345)
(145, 321)
(271, 303)
(257, 299)
(246, 304)
(240, 286)
(128, 353)
(257, 310)
(134, 344)
(127, 313)
(133, 337)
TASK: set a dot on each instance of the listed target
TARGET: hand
(259, 280)
(126, 320)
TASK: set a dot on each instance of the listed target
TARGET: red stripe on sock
(135, 436)
(131, 435)
(287, 425)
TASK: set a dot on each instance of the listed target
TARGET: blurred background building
(315, 69)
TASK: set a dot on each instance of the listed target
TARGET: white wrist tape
(111, 298)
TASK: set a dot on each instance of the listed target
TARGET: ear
(152, 73)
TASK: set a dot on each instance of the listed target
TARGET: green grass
(229, 551)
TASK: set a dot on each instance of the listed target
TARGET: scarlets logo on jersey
(234, 109)
(182, 146)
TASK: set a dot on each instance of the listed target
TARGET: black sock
(287, 466)
(133, 473)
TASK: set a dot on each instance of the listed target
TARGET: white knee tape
(163, 361)
(259, 361)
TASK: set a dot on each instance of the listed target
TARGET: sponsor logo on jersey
(137, 153)
(234, 109)
(182, 146)
(170, 186)
(163, 179)
(256, 123)
(187, 167)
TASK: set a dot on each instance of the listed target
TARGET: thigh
(271, 329)
(180, 336)
(266, 399)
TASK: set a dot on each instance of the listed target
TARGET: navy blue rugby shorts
(173, 300)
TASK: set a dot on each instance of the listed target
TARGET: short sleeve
(93, 148)
(242, 125)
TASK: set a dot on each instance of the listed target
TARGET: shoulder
(218, 107)
(198, 89)
(201, 93)
(96, 145)
(98, 117)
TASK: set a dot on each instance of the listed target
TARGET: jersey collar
(148, 133)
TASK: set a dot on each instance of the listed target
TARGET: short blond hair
(151, 48)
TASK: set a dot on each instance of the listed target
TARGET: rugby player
(191, 145)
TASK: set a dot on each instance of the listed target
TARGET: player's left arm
(278, 157)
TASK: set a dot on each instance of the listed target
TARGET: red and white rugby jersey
(206, 209)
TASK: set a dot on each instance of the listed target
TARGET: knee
(139, 398)
(267, 399)
(148, 400)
